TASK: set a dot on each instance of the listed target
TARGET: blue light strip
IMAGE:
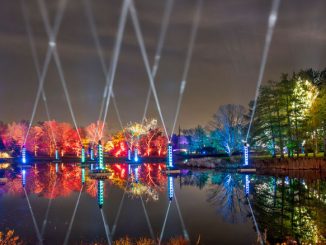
(129, 154)
(136, 155)
(56, 154)
(246, 155)
(170, 156)
(170, 188)
(24, 160)
(56, 168)
(247, 185)
(23, 177)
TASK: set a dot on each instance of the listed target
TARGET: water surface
(136, 200)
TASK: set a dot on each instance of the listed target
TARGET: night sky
(224, 67)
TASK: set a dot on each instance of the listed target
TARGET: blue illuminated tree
(227, 128)
(229, 198)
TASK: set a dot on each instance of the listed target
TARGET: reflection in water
(291, 208)
(229, 197)
(286, 208)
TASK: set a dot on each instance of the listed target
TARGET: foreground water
(57, 203)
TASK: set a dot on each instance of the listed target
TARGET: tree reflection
(291, 209)
(229, 197)
(41, 179)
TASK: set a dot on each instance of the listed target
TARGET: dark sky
(223, 70)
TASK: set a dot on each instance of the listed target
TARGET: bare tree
(227, 128)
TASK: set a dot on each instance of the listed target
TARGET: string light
(24, 160)
(170, 156)
(100, 155)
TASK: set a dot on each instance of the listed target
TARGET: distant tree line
(45, 137)
(290, 118)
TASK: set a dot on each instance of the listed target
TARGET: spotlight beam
(141, 43)
(52, 44)
(193, 36)
(164, 27)
(164, 223)
(185, 232)
(114, 60)
(147, 219)
(268, 40)
(47, 57)
(99, 49)
(36, 61)
(38, 234)
(73, 218)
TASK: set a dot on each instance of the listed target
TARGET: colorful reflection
(145, 180)
(287, 208)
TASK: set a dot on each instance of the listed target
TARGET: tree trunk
(325, 147)
(280, 133)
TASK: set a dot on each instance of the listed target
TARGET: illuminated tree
(229, 197)
(287, 116)
(51, 134)
(160, 144)
(227, 128)
(14, 136)
(33, 139)
(197, 138)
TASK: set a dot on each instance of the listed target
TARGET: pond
(63, 204)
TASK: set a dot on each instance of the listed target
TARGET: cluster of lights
(100, 155)
(170, 188)
(170, 156)
(24, 154)
(100, 193)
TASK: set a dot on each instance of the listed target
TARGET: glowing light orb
(136, 156)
